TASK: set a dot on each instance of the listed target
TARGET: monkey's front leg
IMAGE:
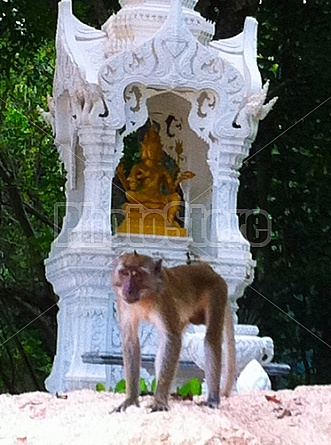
(131, 358)
(166, 366)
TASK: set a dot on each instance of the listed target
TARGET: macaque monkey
(171, 298)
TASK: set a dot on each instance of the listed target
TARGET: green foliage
(193, 387)
(153, 385)
(288, 176)
(24, 362)
(120, 386)
(100, 387)
(31, 182)
(143, 388)
(26, 143)
(131, 152)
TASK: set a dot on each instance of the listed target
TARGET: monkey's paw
(123, 406)
(159, 405)
(213, 404)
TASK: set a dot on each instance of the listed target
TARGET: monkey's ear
(158, 266)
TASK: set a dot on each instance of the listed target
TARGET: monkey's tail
(230, 346)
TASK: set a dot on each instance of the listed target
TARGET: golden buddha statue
(151, 191)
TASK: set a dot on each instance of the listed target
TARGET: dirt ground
(302, 416)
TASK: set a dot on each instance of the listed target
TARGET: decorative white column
(80, 271)
(230, 249)
(99, 150)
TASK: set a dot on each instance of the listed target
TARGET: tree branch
(18, 207)
(33, 211)
(42, 310)
(15, 199)
(20, 348)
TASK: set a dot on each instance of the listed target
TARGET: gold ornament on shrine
(151, 190)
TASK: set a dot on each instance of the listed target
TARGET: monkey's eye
(124, 272)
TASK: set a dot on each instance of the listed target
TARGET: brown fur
(171, 298)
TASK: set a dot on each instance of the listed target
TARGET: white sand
(300, 417)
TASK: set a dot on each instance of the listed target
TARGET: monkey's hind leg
(213, 353)
(230, 346)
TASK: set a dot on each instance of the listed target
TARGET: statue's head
(151, 148)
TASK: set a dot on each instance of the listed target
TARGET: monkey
(171, 298)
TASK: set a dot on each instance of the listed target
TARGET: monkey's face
(136, 277)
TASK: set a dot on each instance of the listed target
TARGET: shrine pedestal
(140, 220)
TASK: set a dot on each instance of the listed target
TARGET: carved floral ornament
(172, 60)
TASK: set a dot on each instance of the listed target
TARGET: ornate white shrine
(154, 61)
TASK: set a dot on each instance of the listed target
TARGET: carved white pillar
(224, 161)
(99, 148)
(80, 271)
(230, 249)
